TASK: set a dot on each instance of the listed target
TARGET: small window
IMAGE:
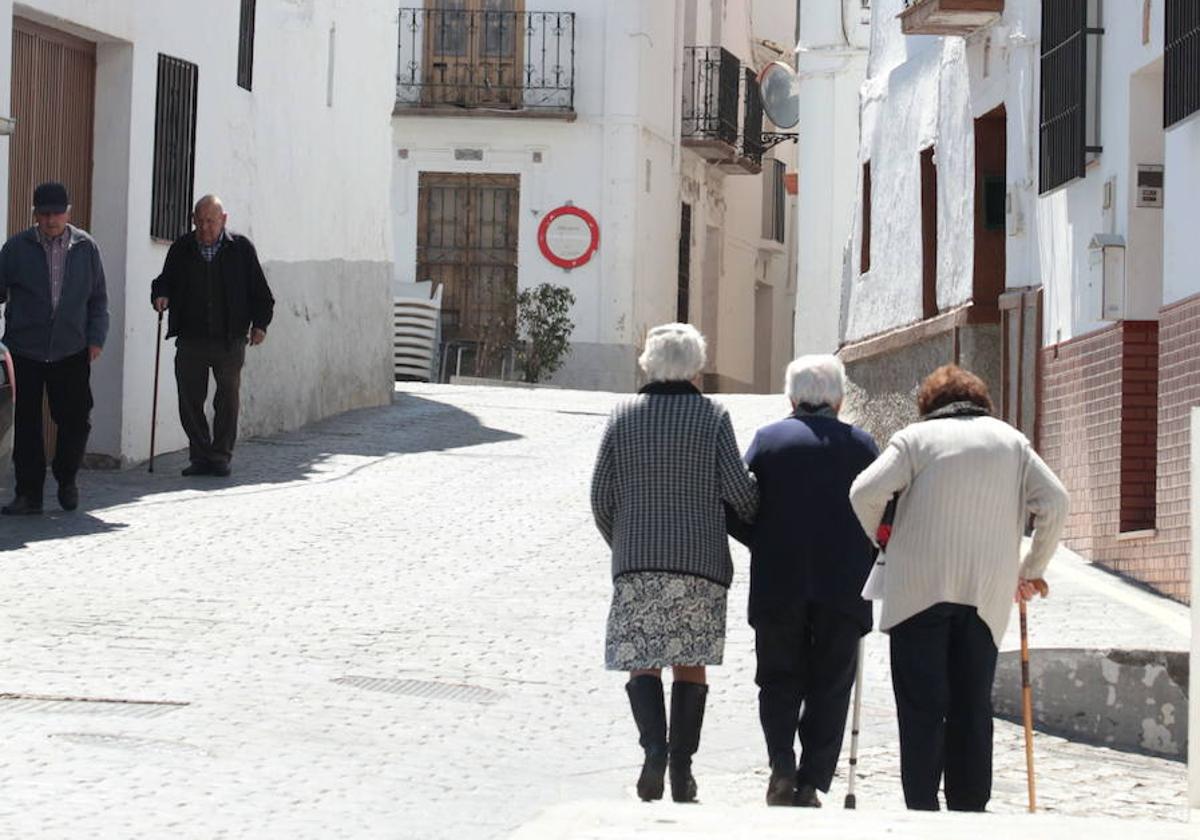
(929, 234)
(864, 261)
(1070, 103)
(174, 148)
(994, 199)
(246, 45)
(774, 201)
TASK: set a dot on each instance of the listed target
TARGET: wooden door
(474, 53)
(467, 228)
(1020, 348)
(53, 102)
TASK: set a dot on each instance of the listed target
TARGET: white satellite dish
(780, 89)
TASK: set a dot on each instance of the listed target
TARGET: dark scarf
(963, 408)
(810, 410)
(675, 386)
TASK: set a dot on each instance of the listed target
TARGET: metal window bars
(486, 59)
(1181, 59)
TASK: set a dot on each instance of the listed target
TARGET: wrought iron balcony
(949, 17)
(722, 110)
(460, 59)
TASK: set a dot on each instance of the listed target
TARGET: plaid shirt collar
(209, 252)
(48, 241)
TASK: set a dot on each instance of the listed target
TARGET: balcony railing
(722, 110)
(710, 95)
(486, 60)
(948, 17)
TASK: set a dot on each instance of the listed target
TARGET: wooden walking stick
(154, 397)
(1027, 704)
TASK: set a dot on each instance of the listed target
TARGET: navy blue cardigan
(806, 543)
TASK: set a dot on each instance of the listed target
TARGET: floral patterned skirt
(658, 619)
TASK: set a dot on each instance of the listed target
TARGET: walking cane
(154, 398)
(851, 800)
(1027, 703)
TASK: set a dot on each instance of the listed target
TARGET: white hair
(674, 352)
(816, 380)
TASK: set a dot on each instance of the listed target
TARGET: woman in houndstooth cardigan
(668, 464)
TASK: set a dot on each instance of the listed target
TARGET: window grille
(1181, 59)
(1069, 83)
(245, 74)
(174, 148)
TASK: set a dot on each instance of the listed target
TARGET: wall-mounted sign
(1149, 185)
(568, 236)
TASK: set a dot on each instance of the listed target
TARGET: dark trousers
(943, 665)
(807, 658)
(67, 386)
(194, 359)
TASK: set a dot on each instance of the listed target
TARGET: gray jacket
(32, 328)
(668, 464)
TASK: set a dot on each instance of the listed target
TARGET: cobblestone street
(390, 625)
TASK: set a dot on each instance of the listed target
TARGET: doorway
(474, 53)
(991, 149)
(467, 226)
(53, 102)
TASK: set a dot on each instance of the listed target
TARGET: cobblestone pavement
(390, 625)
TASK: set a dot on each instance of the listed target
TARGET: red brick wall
(1115, 404)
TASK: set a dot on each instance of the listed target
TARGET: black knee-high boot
(650, 714)
(687, 719)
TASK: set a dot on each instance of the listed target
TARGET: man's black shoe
(68, 496)
(806, 797)
(220, 470)
(22, 506)
(198, 468)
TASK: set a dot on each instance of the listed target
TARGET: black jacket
(233, 284)
(806, 543)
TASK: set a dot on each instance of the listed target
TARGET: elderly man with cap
(218, 298)
(56, 321)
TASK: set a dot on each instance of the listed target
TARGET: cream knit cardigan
(966, 486)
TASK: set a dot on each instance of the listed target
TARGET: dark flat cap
(51, 197)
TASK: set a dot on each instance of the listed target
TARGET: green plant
(542, 317)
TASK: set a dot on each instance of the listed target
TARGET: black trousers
(806, 659)
(67, 386)
(943, 665)
(194, 360)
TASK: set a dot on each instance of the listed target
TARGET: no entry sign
(568, 236)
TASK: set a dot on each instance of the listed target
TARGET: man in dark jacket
(56, 321)
(809, 560)
(218, 298)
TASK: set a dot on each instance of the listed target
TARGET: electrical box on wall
(1106, 258)
(1149, 185)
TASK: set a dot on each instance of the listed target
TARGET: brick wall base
(1114, 425)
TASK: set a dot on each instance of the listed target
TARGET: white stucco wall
(917, 94)
(306, 180)
(831, 61)
(1181, 218)
(1068, 218)
(621, 160)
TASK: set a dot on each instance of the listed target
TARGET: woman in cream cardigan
(967, 484)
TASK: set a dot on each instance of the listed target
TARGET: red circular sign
(568, 236)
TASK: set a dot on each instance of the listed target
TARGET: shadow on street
(409, 425)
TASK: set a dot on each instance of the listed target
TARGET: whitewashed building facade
(507, 112)
(1027, 193)
(283, 108)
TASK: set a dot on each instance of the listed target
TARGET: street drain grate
(128, 743)
(41, 703)
(424, 689)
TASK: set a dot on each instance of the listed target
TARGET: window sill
(1130, 536)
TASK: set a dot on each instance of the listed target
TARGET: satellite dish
(780, 90)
